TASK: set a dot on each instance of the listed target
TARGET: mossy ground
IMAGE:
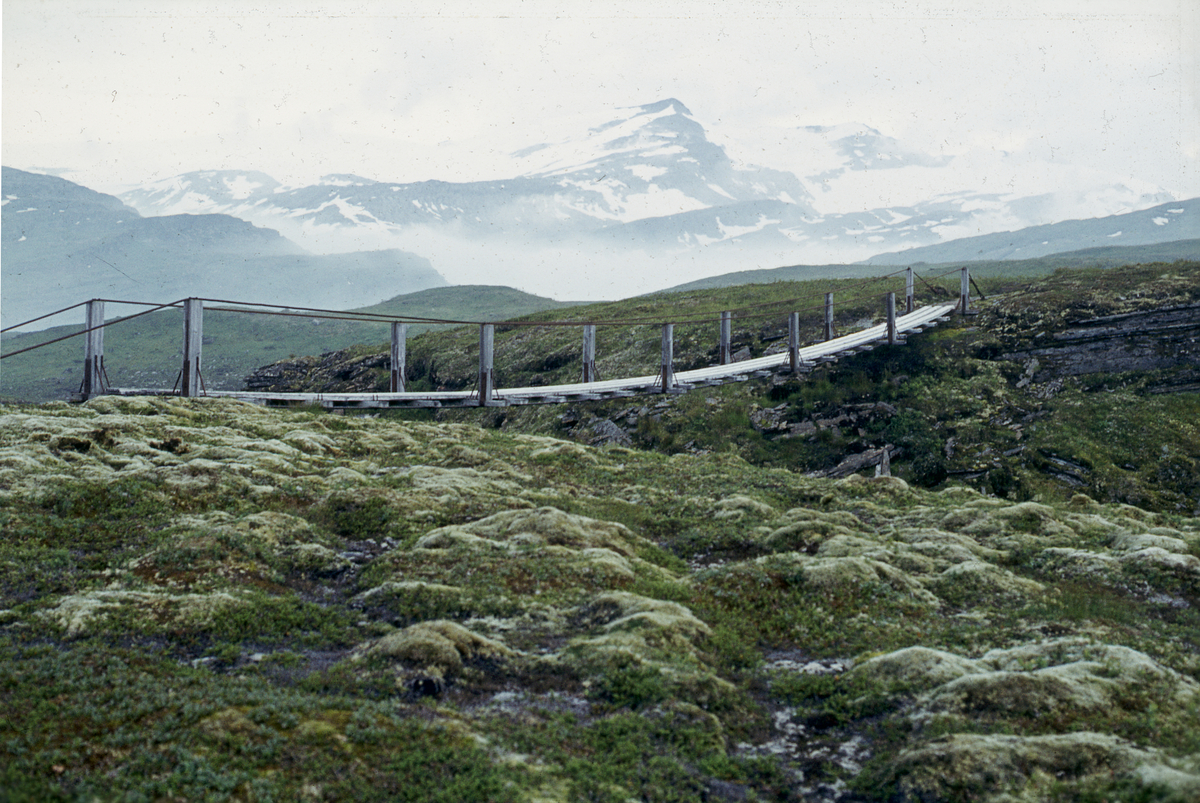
(206, 600)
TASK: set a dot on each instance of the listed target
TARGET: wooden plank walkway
(827, 351)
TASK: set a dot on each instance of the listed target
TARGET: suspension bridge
(795, 358)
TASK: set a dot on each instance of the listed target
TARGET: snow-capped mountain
(644, 201)
(654, 163)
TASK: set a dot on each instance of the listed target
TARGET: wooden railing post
(890, 303)
(399, 355)
(93, 349)
(487, 334)
(193, 338)
(589, 352)
(909, 303)
(829, 333)
(668, 357)
(964, 300)
(726, 338)
(794, 341)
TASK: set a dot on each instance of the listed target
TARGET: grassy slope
(1105, 257)
(208, 600)
(145, 353)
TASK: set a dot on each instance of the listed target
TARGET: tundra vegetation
(208, 600)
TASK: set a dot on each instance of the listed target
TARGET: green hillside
(467, 302)
(1105, 257)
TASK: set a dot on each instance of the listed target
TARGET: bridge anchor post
(193, 339)
(668, 357)
(909, 302)
(726, 338)
(589, 352)
(890, 305)
(93, 350)
(964, 293)
(794, 342)
(487, 333)
(829, 333)
(399, 355)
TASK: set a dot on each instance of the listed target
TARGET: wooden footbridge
(794, 359)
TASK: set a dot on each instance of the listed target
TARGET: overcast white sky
(120, 93)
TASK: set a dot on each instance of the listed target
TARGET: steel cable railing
(767, 310)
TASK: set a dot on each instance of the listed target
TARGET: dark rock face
(336, 371)
(605, 431)
(1152, 340)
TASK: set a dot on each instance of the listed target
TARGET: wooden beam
(890, 304)
(487, 336)
(399, 355)
(93, 350)
(794, 341)
(668, 357)
(193, 338)
(726, 338)
(589, 352)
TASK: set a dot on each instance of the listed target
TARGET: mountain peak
(345, 180)
(665, 105)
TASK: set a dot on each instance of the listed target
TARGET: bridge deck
(828, 351)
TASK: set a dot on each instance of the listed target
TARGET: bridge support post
(399, 355)
(668, 357)
(93, 349)
(964, 293)
(794, 341)
(589, 352)
(829, 333)
(193, 338)
(487, 334)
(726, 338)
(909, 303)
(890, 303)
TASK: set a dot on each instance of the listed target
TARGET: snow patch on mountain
(241, 187)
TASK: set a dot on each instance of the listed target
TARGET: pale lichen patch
(543, 526)
(79, 613)
(439, 644)
(917, 668)
(995, 767)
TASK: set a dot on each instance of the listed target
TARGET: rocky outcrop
(1151, 340)
(345, 371)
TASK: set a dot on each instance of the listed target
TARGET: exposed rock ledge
(1156, 340)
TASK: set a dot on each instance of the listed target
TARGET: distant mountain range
(640, 203)
(1179, 220)
(63, 243)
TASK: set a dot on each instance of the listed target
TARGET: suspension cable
(91, 329)
(42, 317)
